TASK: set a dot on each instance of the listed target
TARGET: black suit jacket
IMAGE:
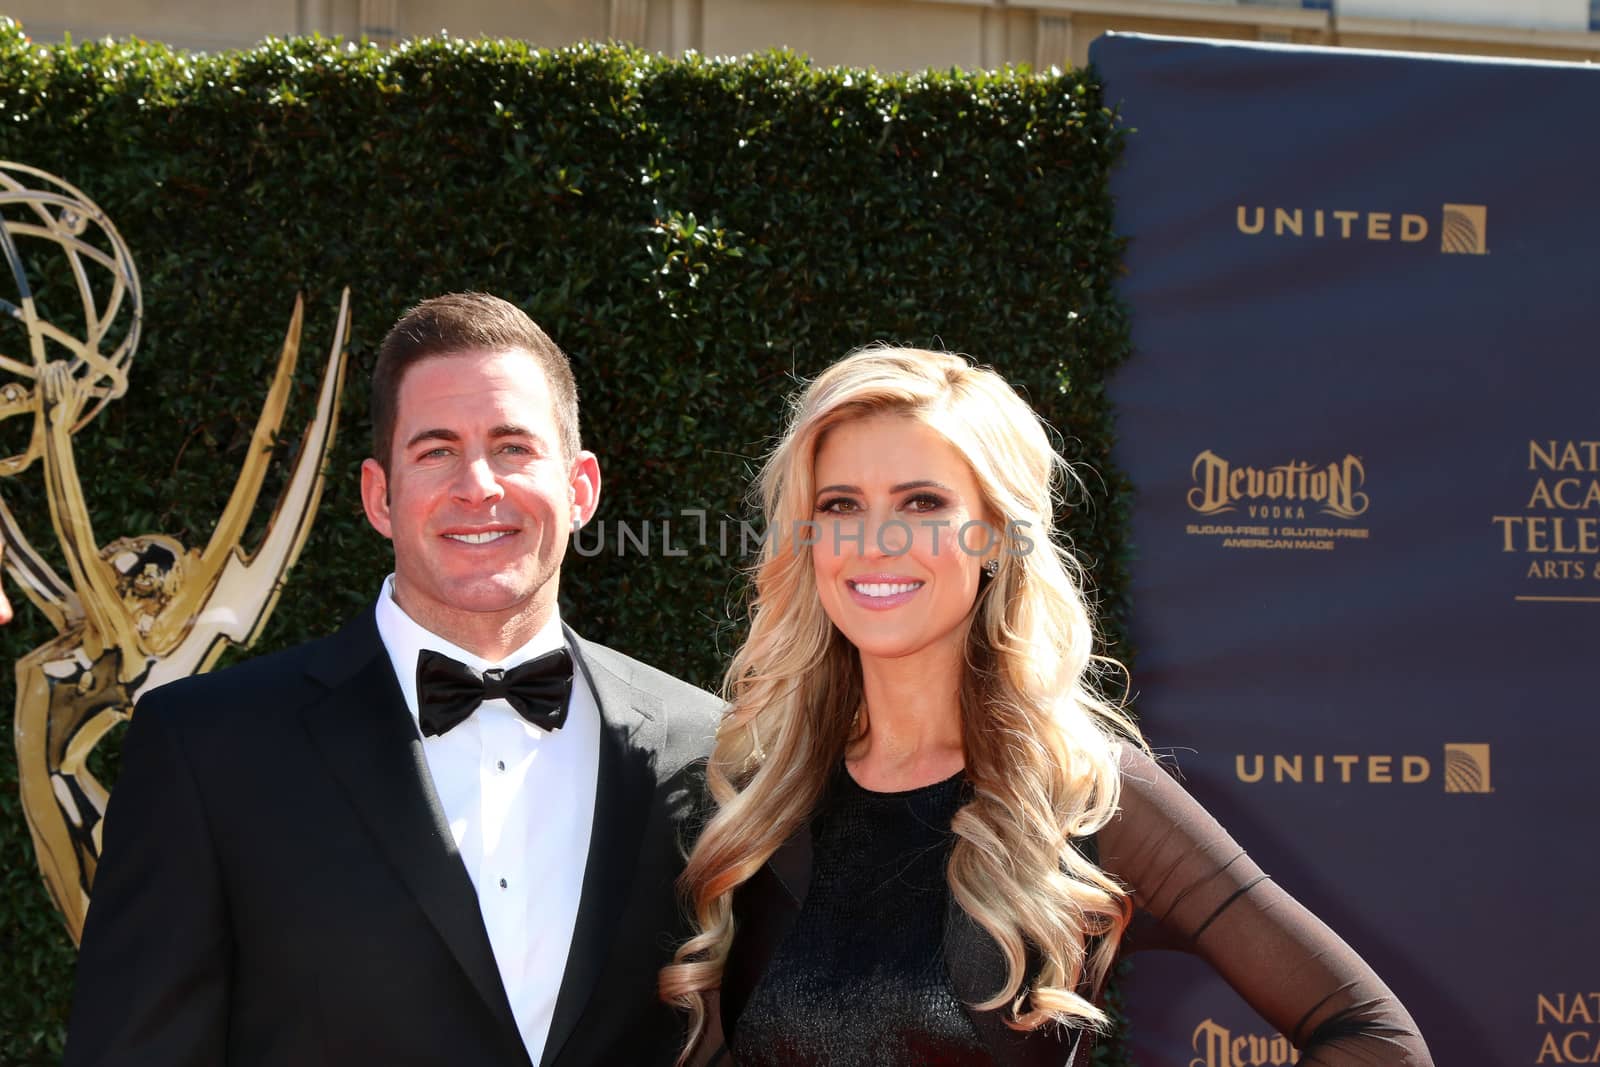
(279, 885)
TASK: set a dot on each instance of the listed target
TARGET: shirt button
(500, 765)
(502, 883)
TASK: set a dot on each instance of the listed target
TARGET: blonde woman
(931, 832)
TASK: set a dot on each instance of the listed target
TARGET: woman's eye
(837, 506)
(924, 502)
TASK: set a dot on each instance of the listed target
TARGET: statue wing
(233, 590)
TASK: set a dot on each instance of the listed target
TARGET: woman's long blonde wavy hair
(1039, 742)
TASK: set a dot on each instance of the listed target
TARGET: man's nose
(476, 481)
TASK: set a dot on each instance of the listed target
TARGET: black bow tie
(448, 692)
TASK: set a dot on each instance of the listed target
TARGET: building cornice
(1566, 40)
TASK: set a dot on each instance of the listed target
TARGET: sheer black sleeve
(1198, 892)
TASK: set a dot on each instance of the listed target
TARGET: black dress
(850, 952)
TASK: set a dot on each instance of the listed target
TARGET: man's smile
(481, 538)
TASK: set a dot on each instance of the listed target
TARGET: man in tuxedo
(447, 834)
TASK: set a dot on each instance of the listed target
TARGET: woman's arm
(1202, 894)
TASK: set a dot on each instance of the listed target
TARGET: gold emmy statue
(141, 610)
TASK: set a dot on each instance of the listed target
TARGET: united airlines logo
(1465, 230)
(1464, 768)
(1462, 229)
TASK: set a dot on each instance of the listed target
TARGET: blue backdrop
(1363, 421)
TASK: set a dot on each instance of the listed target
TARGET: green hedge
(696, 233)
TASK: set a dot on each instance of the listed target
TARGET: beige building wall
(199, 24)
(886, 34)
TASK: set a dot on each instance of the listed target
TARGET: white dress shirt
(520, 801)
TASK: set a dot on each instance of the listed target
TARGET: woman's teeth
(876, 589)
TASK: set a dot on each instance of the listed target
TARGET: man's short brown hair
(466, 322)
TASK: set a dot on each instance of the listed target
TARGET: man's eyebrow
(440, 433)
(435, 434)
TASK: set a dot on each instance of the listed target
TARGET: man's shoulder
(684, 699)
(272, 680)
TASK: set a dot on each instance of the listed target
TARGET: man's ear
(375, 496)
(583, 488)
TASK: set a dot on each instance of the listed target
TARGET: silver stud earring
(991, 567)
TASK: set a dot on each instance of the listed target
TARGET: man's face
(478, 499)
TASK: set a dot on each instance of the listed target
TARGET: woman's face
(901, 534)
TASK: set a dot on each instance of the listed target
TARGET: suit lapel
(371, 745)
(632, 728)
